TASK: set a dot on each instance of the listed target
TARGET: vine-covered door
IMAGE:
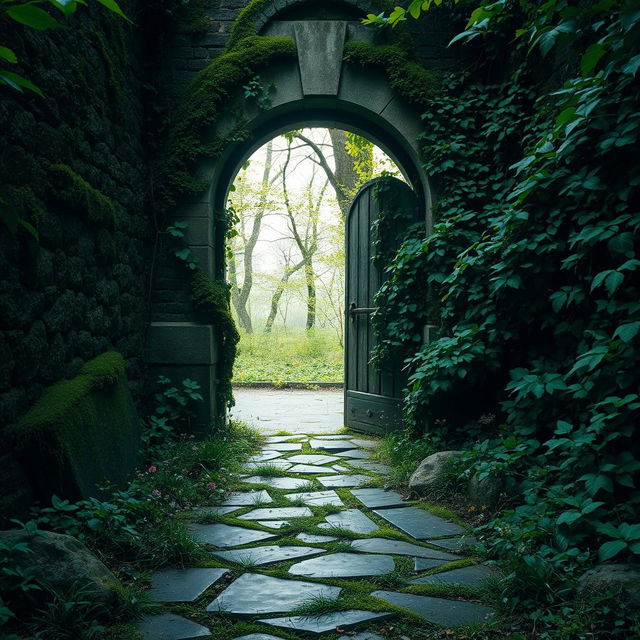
(372, 394)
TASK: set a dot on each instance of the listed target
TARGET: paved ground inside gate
(312, 545)
(294, 410)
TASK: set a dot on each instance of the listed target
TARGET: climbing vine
(531, 276)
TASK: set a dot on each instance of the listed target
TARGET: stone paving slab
(317, 498)
(277, 513)
(267, 554)
(226, 535)
(265, 456)
(365, 635)
(258, 636)
(340, 469)
(344, 565)
(459, 542)
(424, 564)
(311, 458)
(356, 454)
(338, 436)
(354, 480)
(375, 467)
(378, 498)
(182, 585)
(350, 519)
(474, 576)
(318, 625)
(277, 483)
(313, 539)
(253, 594)
(400, 548)
(282, 465)
(367, 444)
(419, 523)
(331, 445)
(168, 626)
(276, 439)
(247, 498)
(214, 511)
(282, 446)
(274, 524)
(445, 613)
(309, 468)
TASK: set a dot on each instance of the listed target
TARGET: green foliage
(82, 198)
(412, 81)
(213, 298)
(292, 356)
(531, 278)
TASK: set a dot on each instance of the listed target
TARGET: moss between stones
(245, 24)
(411, 80)
(83, 198)
(213, 297)
(82, 431)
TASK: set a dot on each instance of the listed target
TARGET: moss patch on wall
(82, 197)
(81, 432)
(411, 80)
(212, 297)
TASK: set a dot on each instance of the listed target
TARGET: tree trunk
(277, 294)
(310, 277)
(346, 174)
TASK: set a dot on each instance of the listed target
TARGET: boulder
(621, 579)
(433, 473)
(60, 562)
(484, 491)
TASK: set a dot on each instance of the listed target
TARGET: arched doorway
(317, 88)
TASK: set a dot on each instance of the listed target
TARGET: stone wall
(81, 289)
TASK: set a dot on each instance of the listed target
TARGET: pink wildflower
(223, 479)
(212, 485)
(152, 469)
(156, 492)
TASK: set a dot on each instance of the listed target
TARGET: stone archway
(318, 88)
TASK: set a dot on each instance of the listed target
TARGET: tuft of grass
(267, 470)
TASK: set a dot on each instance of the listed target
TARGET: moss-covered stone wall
(75, 165)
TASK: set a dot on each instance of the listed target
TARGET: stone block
(200, 231)
(181, 343)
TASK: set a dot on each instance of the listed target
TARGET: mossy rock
(82, 433)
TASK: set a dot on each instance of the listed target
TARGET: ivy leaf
(591, 58)
(18, 82)
(112, 5)
(569, 517)
(8, 55)
(610, 549)
(627, 332)
(631, 68)
(33, 17)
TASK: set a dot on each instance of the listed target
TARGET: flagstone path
(286, 549)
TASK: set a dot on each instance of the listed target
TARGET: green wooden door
(372, 395)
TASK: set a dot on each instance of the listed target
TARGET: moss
(29, 205)
(85, 425)
(412, 81)
(83, 198)
(213, 298)
(246, 26)
(193, 21)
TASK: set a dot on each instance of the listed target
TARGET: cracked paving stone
(253, 594)
(317, 498)
(282, 446)
(214, 511)
(375, 467)
(316, 458)
(367, 444)
(354, 480)
(277, 513)
(344, 565)
(459, 542)
(327, 622)
(265, 456)
(274, 524)
(282, 465)
(356, 454)
(474, 576)
(247, 498)
(400, 548)
(277, 483)
(309, 468)
(267, 554)
(168, 626)
(182, 585)
(418, 523)
(226, 535)
(330, 445)
(378, 498)
(350, 519)
(445, 613)
(313, 539)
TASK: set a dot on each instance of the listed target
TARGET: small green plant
(255, 89)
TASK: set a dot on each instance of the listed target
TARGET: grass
(292, 356)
